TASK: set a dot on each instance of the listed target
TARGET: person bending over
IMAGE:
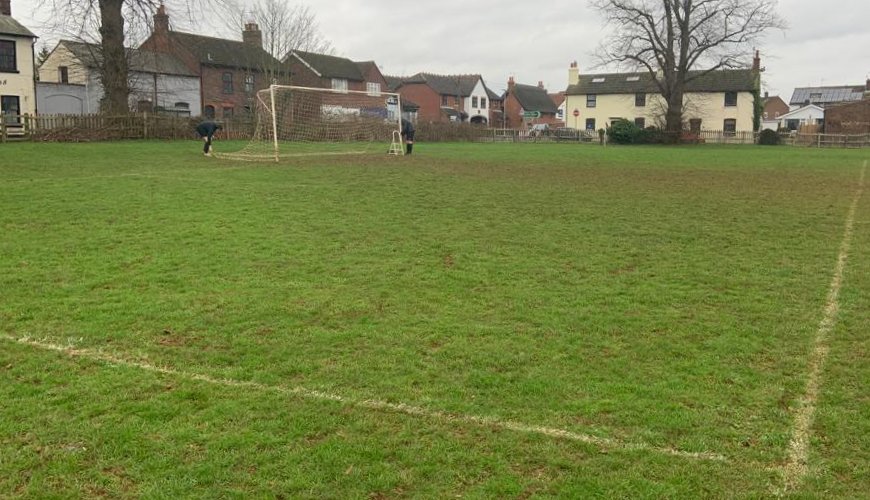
(206, 131)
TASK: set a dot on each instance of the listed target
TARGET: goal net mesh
(298, 121)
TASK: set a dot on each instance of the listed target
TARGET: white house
(17, 90)
(807, 115)
(69, 82)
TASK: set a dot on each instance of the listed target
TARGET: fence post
(2, 129)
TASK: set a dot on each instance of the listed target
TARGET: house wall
(479, 91)
(852, 118)
(21, 84)
(774, 108)
(213, 94)
(428, 100)
(61, 99)
(165, 91)
(708, 106)
(514, 115)
(374, 75)
(806, 116)
(62, 56)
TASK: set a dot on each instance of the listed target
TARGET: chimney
(6, 7)
(573, 74)
(511, 83)
(252, 35)
(540, 84)
(161, 20)
(867, 89)
(756, 63)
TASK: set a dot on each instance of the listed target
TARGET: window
(730, 127)
(373, 88)
(599, 80)
(474, 101)
(182, 105)
(62, 74)
(590, 124)
(209, 112)
(731, 99)
(483, 103)
(228, 113)
(816, 97)
(339, 84)
(591, 100)
(227, 79)
(633, 79)
(249, 84)
(695, 125)
(640, 99)
(11, 106)
(640, 122)
(765, 115)
(444, 101)
(8, 61)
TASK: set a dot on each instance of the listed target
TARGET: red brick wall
(773, 106)
(428, 100)
(852, 118)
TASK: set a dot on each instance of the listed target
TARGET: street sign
(576, 113)
(532, 114)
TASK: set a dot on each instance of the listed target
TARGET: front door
(10, 107)
(695, 125)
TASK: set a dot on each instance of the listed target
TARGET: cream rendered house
(17, 82)
(720, 100)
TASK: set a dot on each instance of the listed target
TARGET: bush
(768, 138)
(625, 132)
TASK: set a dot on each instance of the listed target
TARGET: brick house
(774, 108)
(230, 72)
(849, 118)
(323, 71)
(826, 96)
(521, 98)
(448, 98)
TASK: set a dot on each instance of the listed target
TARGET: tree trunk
(113, 72)
(674, 117)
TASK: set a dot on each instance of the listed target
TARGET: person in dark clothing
(206, 130)
(408, 135)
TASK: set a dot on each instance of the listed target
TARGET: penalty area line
(796, 466)
(369, 404)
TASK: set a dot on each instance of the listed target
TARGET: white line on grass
(796, 468)
(369, 404)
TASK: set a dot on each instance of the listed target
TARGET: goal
(294, 121)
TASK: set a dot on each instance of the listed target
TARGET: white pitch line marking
(371, 404)
(796, 467)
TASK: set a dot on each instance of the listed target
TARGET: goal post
(290, 121)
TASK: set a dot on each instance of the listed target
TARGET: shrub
(768, 137)
(625, 132)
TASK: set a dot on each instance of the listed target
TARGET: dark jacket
(207, 128)
(407, 127)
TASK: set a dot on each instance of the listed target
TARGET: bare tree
(285, 26)
(670, 38)
(111, 22)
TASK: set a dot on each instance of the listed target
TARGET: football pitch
(476, 320)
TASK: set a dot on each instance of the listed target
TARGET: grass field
(477, 320)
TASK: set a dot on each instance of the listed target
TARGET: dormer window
(633, 79)
(598, 80)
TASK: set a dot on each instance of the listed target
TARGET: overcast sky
(826, 43)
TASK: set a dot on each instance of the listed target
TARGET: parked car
(571, 134)
(539, 129)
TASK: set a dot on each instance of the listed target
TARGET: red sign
(576, 113)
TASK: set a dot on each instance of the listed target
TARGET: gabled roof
(533, 98)
(726, 80)
(393, 82)
(801, 110)
(222, 52)
(329, 66)
(9, 26)
(142, 60)
(558, 98)
(827, 95)
(461, 85)
(492, 95)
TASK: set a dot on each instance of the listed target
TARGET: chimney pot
(6, 7)
(161, 20)
(252, 34)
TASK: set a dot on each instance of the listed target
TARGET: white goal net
(300, 121)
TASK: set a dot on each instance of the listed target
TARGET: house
(69, 81)
(851, 117)
(230, 72)
(448, 98)
(715, 100)
(17, 88)
(559, 100)
(496, 108)
(521, 101)
(801, 117)
(826, 96)
(773, 108)
(323, 71)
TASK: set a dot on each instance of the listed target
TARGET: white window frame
(339, 84)
(373, 88)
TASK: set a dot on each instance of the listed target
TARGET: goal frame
(386, 95)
